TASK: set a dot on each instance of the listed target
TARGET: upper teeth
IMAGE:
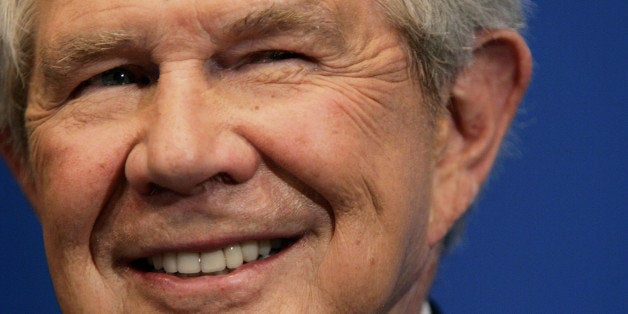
(218, 261)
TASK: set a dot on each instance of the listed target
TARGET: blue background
(549, 232)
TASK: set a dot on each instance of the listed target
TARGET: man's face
(172, 132)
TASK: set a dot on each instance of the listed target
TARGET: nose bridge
(178, 117)
(188, 139)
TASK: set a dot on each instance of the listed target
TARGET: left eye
(272, 56)
(260, 57)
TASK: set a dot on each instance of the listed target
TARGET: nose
(189, 138)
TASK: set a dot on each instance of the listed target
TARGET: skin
(217, 143)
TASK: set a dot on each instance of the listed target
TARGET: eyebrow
(60, 58)
(278, 19)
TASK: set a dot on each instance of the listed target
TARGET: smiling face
(169, 136)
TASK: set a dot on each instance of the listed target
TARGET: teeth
(170, 263)
(158, 262)
(212, 262)
(188, 263)
(233, 255)
(250, 251)
(215, 262)
(264, 248)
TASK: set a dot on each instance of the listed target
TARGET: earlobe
(483, 100)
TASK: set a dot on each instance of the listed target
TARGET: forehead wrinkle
(304, 19)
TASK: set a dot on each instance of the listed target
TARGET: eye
(260, 57)
(273, 56)
(121, 76)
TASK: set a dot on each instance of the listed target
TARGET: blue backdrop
(549, 232)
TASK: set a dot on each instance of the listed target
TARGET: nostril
(155, 189)
(224, 178)
(220, 178)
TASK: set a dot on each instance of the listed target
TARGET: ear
(482, 102)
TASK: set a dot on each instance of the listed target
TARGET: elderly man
(254, 155)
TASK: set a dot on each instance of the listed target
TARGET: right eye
(123, 75)
(119, 76)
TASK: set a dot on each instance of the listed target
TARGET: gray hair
(439, 35)
(16, 62)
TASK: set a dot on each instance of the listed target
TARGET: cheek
(346, 146)
(371, 163)
(77, 169)
(312, 139)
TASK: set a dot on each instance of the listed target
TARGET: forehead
(57, 16)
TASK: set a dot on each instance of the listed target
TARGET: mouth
(214, 262)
